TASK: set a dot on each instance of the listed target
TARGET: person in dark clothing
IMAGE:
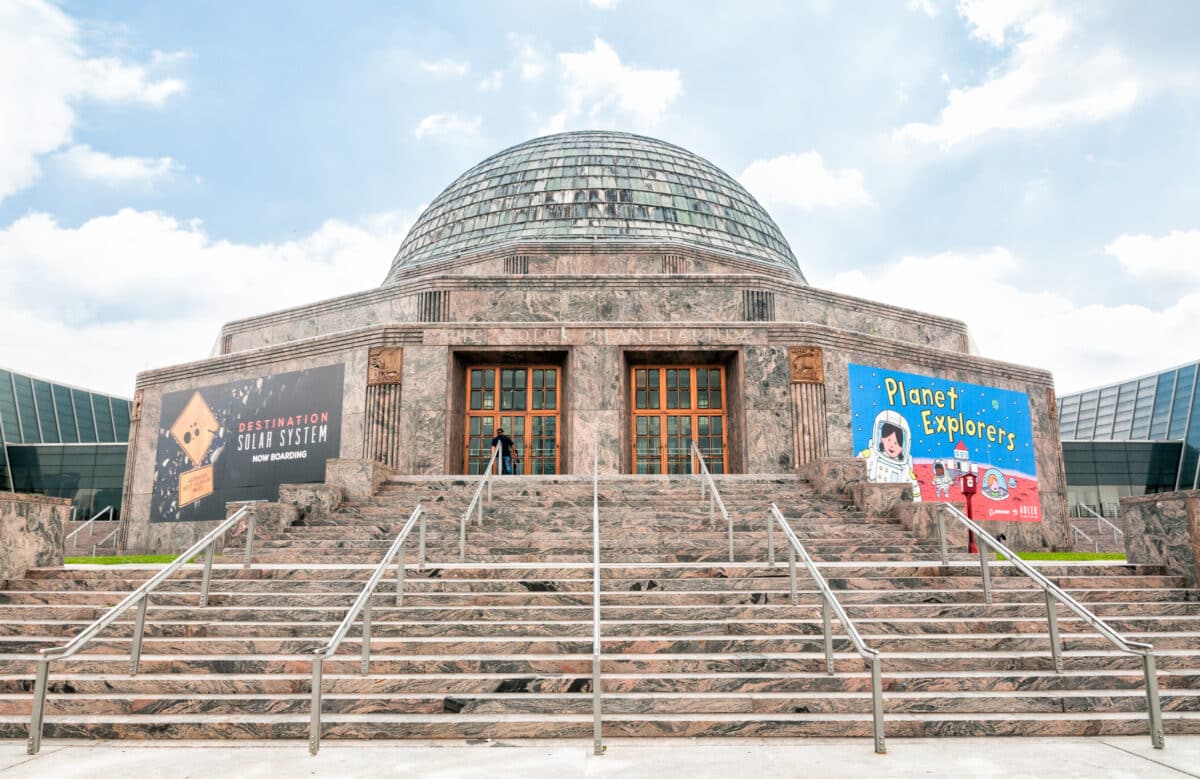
(506, 446)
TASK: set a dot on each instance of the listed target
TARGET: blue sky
(1028, 166)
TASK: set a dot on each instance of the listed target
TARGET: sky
(1027, 166)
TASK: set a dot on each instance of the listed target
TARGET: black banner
(241, 440)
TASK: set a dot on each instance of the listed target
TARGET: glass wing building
(62, 441)
(1135, 437)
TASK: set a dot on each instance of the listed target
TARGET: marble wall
(31, 532)
(1164, 529)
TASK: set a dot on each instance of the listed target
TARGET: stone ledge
(315, 501)
(834, 475)
(270, 519)
(921, 520)
(31, 532)
(1164, 529)
(358, 480)
(877, 499)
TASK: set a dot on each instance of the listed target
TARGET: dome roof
(586, 187)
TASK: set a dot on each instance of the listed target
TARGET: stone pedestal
(270, 519)
(834, 475)
(921, 520)
(877, 499)
(31, 532)
(1164, 529)
(311, 500)
(357, 479)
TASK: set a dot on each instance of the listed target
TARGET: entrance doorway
(672, 405)
(524, 401)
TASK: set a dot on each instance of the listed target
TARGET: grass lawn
(1067, 556)
(122, 560)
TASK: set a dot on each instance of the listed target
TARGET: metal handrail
(476, 505)
(106, 510)
(140, 597)
(829, 603)
(363, 604)
(104, 540)
(1116, 530)
(1077, 532)
(597, 745)
(714, 500)
(1055, 595)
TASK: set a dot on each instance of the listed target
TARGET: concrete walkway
(1009, 758)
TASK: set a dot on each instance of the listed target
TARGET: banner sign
(928, 432)
(241, 440)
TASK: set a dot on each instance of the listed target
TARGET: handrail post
(792, 574)
(985, 573)
(421, 543)
(314, 725)
(597, 689)
(770, 540)
(39, 705)
(207, 579)
(877, 705)
(479, 509)
(400, 577)
(366, 636)
(828, 627)
(139, 630)
(251, 521)
(941, 519)
(1052, 623)
(1152, 702)
(462, 539)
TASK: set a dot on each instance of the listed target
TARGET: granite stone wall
(1164, 529)
(31, 532)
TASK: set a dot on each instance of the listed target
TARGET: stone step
(648, 725)
(580, 702)
(68, 682)
(419, 581)
(612, 643)
(640, 663)
(397, 626)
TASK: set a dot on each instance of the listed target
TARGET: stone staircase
(1102, 539)
(693, 645)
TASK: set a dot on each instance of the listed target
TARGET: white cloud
(529, 60)
(447, 124)
(492, 81)
(444, 68)
(84, 161)
(600, 89)
(1176, 254)
(137, 289)
(47, 73)
(803, 181)
(1084, 345)
(1051, 77)
(926, 7)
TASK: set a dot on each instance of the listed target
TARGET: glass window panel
(104, 422)
(45, 410)
(83, 415)
(66, 415)
(25, 409)
(8, 409)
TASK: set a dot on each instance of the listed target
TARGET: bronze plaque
(195, 484)
(808, 364)
(383, 365)
(195, 429)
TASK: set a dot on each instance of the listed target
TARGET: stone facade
(1164, 529)
(595, 312)
(31, 532)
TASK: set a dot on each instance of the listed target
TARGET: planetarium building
(592, 292)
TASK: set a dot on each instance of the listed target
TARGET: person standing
(506, 446)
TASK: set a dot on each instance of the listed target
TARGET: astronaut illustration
(887, 456)
(942, 479)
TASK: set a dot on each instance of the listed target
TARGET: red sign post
(969, 489)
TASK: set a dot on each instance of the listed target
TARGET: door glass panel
(690, 409)
(527, 410)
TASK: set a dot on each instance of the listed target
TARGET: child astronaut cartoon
(942, 479)
(887, 456)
